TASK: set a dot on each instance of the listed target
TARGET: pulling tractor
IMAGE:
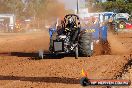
(70, 38)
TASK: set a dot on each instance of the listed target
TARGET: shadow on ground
(35, 56)
(42, 79)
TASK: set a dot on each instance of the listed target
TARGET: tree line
(118, 6)
(32, 8)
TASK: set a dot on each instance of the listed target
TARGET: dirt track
(18, 71)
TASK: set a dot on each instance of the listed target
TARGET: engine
(66, 42)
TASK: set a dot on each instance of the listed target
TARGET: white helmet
(70, 20)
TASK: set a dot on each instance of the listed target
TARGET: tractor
(70, 38)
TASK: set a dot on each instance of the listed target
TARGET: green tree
(39, 9)
(116, 6)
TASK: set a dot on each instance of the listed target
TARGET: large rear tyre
(86, 44)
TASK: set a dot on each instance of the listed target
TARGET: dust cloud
(54, 10)
(116, 46)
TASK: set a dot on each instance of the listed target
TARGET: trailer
(11, 21)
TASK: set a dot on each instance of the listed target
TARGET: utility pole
(77, 6)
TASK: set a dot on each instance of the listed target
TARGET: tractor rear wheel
(86, 44)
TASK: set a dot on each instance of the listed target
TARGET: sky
(71, 4)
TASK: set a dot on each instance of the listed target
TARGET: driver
(72, 27)
(70, 23)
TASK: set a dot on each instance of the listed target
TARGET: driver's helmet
(70, 20)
